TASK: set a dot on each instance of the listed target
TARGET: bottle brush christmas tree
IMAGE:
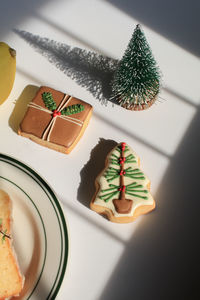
(136, 82)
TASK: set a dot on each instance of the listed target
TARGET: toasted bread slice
(11, 279)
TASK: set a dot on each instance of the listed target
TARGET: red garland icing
(122, 160)
(122, 172)
(122, 188)
(123, 145)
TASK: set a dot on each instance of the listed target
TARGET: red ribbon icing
(56, 113)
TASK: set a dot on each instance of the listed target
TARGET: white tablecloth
(152, 257)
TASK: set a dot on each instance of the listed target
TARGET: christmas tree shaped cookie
(122, 189)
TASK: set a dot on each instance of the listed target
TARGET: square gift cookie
(55, 120)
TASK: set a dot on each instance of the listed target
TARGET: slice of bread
(11, 280)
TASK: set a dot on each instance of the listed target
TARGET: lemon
(7, 70)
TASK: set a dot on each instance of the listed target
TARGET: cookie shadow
(92, 169)
(21, 106)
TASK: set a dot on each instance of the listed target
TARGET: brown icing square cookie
(55, 120)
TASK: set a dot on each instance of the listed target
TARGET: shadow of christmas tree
(89, 69)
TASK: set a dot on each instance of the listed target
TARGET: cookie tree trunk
(122, 205)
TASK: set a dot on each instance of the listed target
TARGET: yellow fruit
(7, 70)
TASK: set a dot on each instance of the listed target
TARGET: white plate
(40, 233)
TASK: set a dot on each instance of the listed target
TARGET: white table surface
(154, 257)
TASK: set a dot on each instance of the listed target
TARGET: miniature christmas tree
(136, 81)
(135, 189)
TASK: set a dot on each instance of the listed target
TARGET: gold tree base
(138, 107)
